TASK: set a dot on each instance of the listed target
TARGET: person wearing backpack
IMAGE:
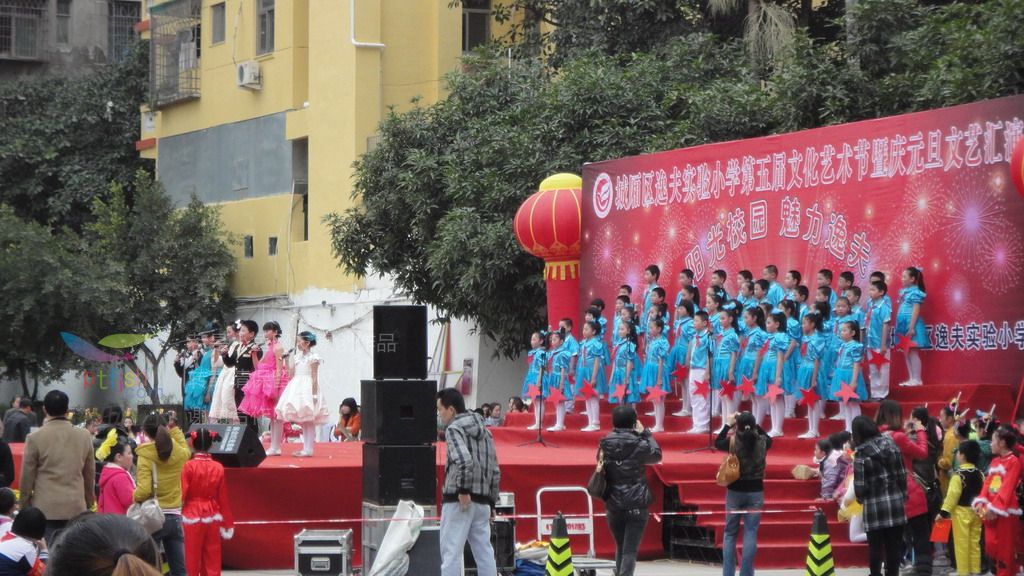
(998, 503)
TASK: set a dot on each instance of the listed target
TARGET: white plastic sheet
(393, 556)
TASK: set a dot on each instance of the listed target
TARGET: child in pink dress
(265, 385)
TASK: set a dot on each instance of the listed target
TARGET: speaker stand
(540, 427)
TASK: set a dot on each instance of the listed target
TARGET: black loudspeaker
(503, 540)
(399, 342)
(237, 446)
(393, 473)
(399, 412)
(425, 554)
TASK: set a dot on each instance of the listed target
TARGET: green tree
(175, 267)
(66, 139)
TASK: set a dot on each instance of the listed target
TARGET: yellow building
(262, 106)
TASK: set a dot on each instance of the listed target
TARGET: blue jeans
(751, 522)
(172, 537)
(459, 526)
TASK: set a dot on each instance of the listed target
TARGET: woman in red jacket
(912, 441)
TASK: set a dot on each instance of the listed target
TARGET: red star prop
(809, 397)
(655, 393)
(533, 391)
(555, 396)
(905, 344)
(619, 392)
(586, 390)
(702, 389)
(847, 393)
(728, 389)
(877, 360)
(679, 374)
(773, 393)
(747, 386)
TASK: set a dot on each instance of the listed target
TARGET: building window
(265, 23)
(121, 19)
(217, 21)
(476, 23)
(174, 51)
(21, 30)
(247, 246)
(272, 246)
(63, 21)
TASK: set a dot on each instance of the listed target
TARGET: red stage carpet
(285, 495)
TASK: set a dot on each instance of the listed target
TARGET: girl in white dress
(301, 402)
(222, 406)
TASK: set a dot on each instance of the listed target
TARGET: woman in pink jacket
(912, 441)
(116, 485)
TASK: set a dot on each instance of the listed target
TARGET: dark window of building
(122, 17)
(63, 21)
(265, 26)
(247, 246)
(305, 217)
(272, 246)
(217, 21)
(476, 23)
(21, 30)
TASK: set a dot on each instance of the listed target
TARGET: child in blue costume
(877, 321)
(621, 303)
(774, 293)
(714, 302)
(824, 307)
(825, 281)
(536, 360)
(791, 363)
(801, 294)
(558, 376)
(761, 288)
(718, 279)
(790, 282)
(812, 345)
(656, 369)
(651, 275)
(848, 371)
(745, 296)
(842, 313)
(597, 311)
(726, 357)
(682, 333)
(593, 360)
(750, 345)
(769, 372)
(698, 361)
(624, 370)
(910, 323)
(199, 389)
(565, 325)
(853, 294)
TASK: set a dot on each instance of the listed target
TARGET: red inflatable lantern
(548, 226)
(1017, 167)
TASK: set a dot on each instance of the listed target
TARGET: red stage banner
(931, 189)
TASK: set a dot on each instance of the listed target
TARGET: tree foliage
(66, 139)
(439, 192)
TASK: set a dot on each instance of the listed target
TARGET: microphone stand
(540, 415)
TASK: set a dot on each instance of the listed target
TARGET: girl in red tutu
(265, 385)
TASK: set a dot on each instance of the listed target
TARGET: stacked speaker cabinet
(399, 419)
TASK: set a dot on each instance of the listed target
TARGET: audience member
(57, 470)
(626, 452)
(349, 421)
(23, 550)
(880, 483)
(743, 437)
(8, 504)
(104, 545)
(165, 454)
(19, 423)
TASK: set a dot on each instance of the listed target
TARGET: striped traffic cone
(559, 552)
(819, 549)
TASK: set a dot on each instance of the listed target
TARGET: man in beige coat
(57, 470)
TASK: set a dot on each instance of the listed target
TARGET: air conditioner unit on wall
(249, 75)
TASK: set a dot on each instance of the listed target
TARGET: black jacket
(752, 465)
(626, 453)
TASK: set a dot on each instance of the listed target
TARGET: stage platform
(286, 494)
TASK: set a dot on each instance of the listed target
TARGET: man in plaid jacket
(880, 483)
(470, 487)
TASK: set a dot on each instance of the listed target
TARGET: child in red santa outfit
(997, 504)
(205, 510)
